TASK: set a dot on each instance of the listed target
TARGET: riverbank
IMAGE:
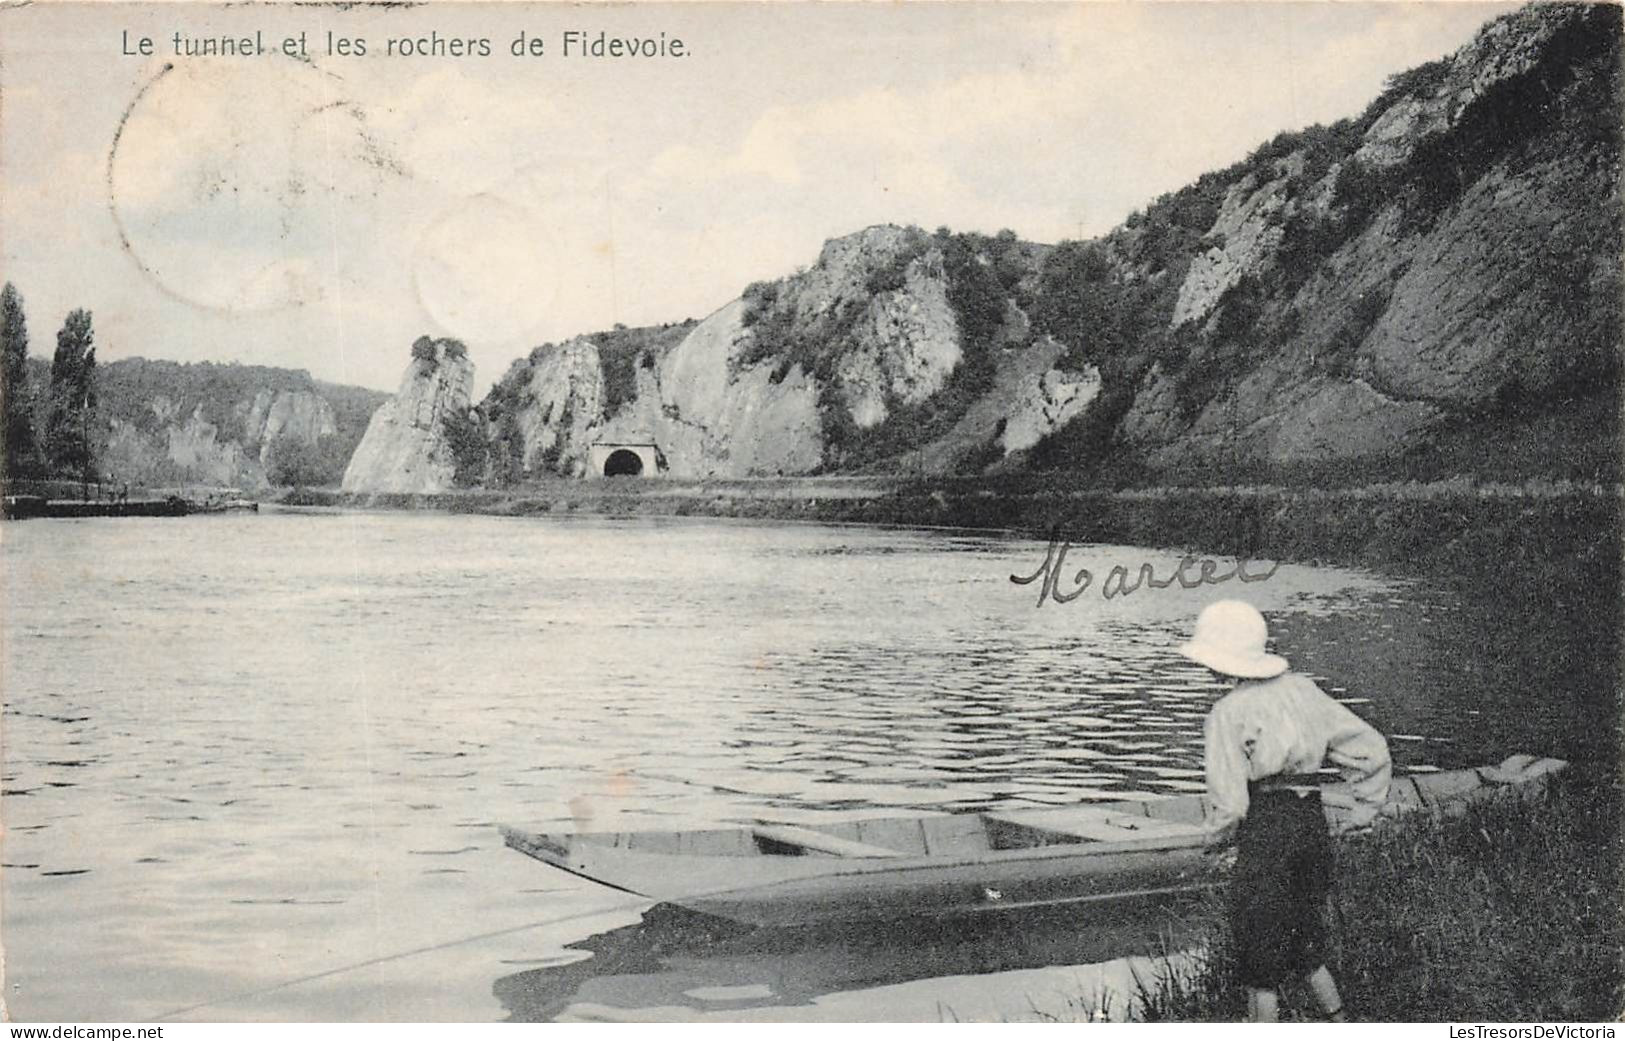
(1508, 914)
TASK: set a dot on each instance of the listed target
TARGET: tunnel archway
(623, 462)
(624, 459)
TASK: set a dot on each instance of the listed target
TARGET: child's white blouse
(1288, 725)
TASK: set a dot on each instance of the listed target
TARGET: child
(1264, 741)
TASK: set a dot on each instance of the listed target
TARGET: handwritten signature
(1116, 582)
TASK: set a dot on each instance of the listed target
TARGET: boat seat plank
(1097, 825)
(905, 835)
(1136, 808)
(955, 835)
(806, 838)
(1182, 809)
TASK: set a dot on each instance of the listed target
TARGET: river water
(253, 765)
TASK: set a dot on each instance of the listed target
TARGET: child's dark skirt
(1278, 893)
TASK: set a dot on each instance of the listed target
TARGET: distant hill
(163, 423)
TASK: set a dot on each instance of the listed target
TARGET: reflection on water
(675, 959)
(243, 751)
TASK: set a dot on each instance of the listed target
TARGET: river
(254, 763)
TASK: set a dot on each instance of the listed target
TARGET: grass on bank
(1511, 913)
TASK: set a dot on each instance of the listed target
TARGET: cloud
(462, 132)
(1109, 105)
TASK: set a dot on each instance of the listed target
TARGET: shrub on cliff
(428, 350)
(423, 351)
(978, 285)
(501, 408)
(1081, 302)
(759, 298)
(775, 333)
(465, 434)
(623, 351)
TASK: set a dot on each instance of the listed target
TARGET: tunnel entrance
(623, 462)
(624, 459)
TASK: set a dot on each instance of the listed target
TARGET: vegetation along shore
(1508, 914)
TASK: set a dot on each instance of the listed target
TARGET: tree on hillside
(16, 402)
(291, 461)
(1081, 303)
(73, 395)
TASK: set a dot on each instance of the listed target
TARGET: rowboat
(778, 874)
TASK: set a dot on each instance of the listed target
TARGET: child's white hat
(1230, 637)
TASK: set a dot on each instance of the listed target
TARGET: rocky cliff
(1449, 258)
(844, 364)
(425, 438)
(1443, 264)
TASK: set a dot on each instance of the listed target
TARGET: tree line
(52, 437)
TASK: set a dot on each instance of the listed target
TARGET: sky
(322, 211)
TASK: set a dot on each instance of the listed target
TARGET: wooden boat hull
(954, 864)
(790, 890)
(933, 890)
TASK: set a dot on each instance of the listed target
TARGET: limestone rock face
(1347, 290)
(718, 421)
(178, 446)
(1332, 419)
(770, 428)
(299, 414)
(1393, 135)
(1507, 47)
(1048, 403)
(195, 445)
(1437, 340)
(693, 379)
(841, 276)
(1250, 230)
(1033, 395)
(687, 395)
(1288, 417)
(863, 389)
(407, 446)
(564, 390)
(1153, 418)
(722, 400)
(905, 347)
